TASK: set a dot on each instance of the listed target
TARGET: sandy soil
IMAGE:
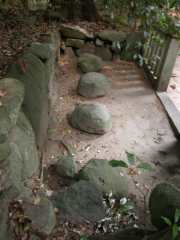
(137, 116)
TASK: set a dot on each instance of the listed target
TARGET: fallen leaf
(98, 151)
(2, 94)
(133, 172)
(37, 200)
(148, 212)
(1, 104)
(56, 210)
(56, 159)
(146, 187)
(139, 172)
(137, 184)
(11, 214)
(121, 174)
(38, 179)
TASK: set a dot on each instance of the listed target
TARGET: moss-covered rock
(5, 151)
(89, 63)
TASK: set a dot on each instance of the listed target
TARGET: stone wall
(26, 93)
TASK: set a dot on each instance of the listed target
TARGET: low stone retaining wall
(25, 96)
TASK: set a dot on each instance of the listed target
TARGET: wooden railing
(160, 60)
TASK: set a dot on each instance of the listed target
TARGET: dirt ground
(137, 116)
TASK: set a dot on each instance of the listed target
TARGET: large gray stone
(92, 85)
(164, 201)
(75, 32)
(4, 210)
(111, 36)
(5, 151)
(82, 200)
(42, 214)
(91, 118)
(132, 50)
(89, 63)
(66, 167)
(11, 173)
(35, 104)
(23, 136)
(87, 48)
(40, 50)
(77, 43)
(102, 52)
(11, 104)
(113, 181)
(99, 43)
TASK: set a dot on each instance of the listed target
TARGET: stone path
(137, 118)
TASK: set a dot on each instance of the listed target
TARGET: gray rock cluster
(101, 45)
(26, 90)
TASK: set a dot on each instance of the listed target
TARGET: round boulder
(91, 118)
(108, 178)
(89, 63)
(164, 201)
(92, 85)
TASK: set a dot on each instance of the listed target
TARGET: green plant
(175, 228)
(116, 218)
(131, 159)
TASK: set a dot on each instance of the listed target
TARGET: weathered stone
(11, 173)
(40, 50)
(23, 136)
(70, 54)
(81, 200)
(63, 46)
(5, 151)
(11, 104)
(4, 210)
(87, 48)
(92, 85)
(53, 119)
(104, 53)
(66, 167)
(50, 69)
(77, 43)
(42, 214)
(35, 104)
(75, 32)
(164, 201)
(91, 118)
(111, 36)
(89, 63)
(132, 50)
(56, 43)
(99, 43)
(113, 182)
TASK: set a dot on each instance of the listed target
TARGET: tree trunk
(81, 10)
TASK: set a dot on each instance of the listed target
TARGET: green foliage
(131, 160)
(152, 14)
(27, 226)
(175, 228)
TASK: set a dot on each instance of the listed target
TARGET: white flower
(123, 201)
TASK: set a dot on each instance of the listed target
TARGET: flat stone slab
(107, 177)
(77, 43)
(112, 36)
(81, 200)
(89, 63)
(91, 118)
(92, 85)
(75, 32)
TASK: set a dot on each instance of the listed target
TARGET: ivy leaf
(167, 220)
(128, 207)
(176, 217)
(131, 158)
(26, 184)
(175, 230)
(115, 163)
(27, 226)
(146, 166)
